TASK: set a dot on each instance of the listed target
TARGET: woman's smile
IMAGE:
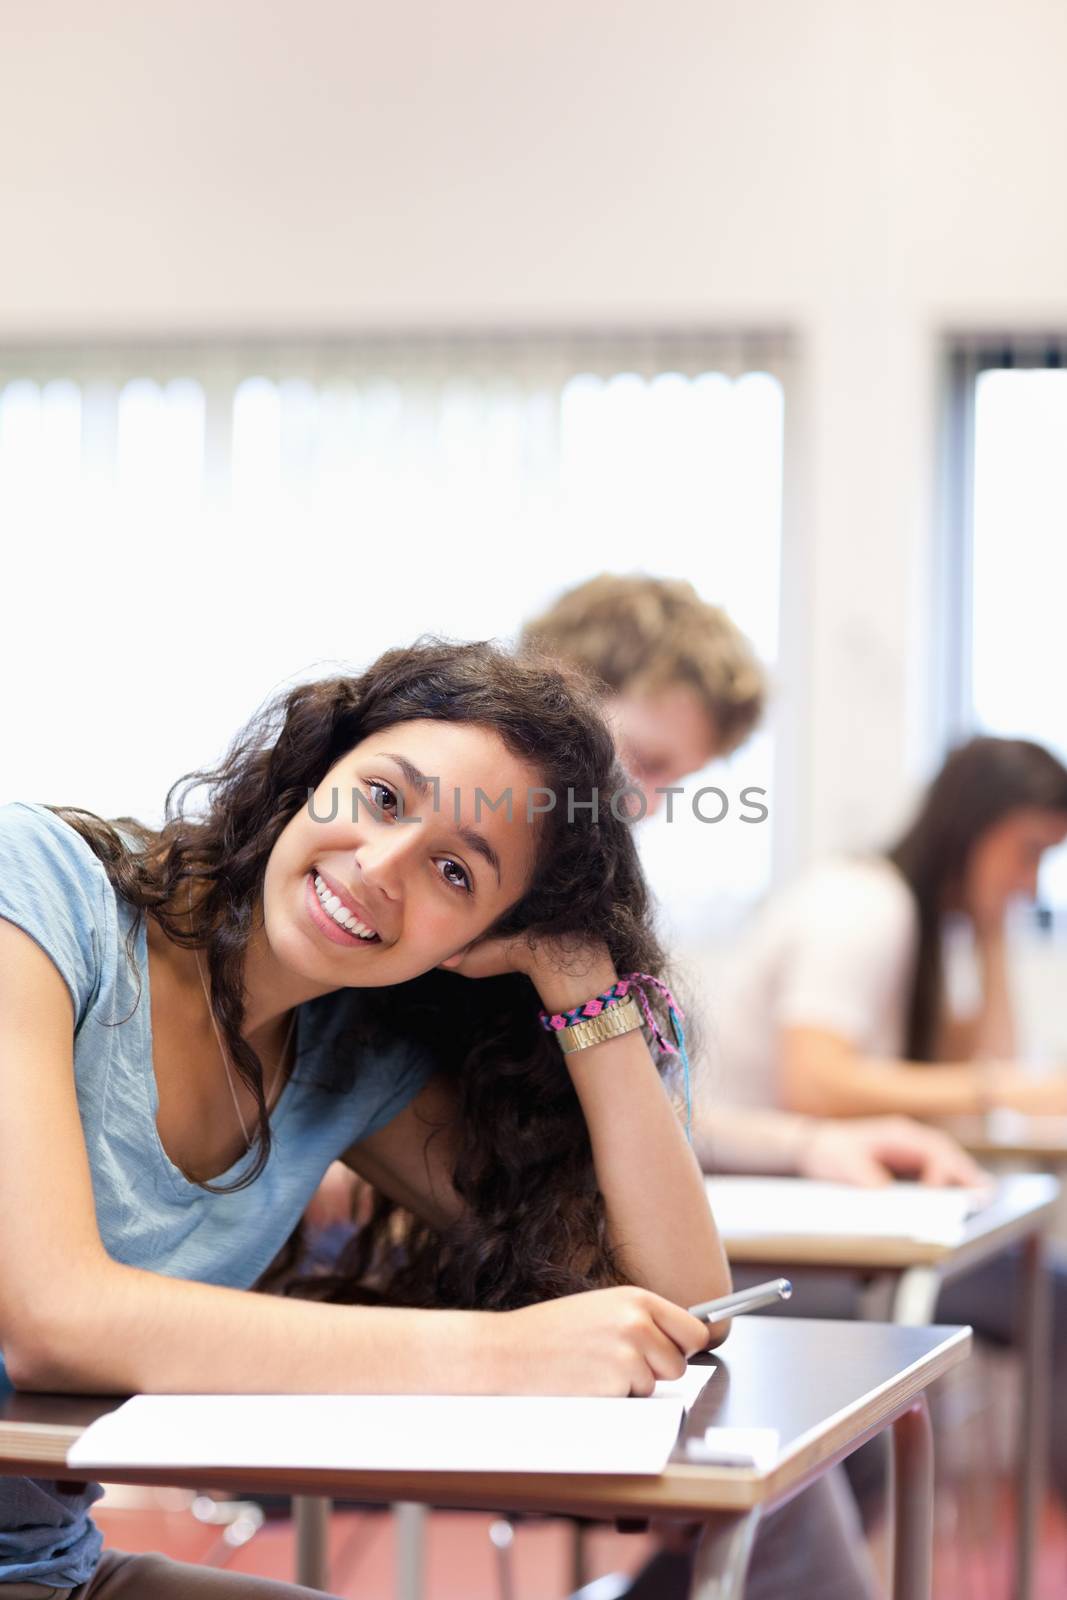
(325, 906)
(342, 904)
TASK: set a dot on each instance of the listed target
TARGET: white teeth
(334, 908)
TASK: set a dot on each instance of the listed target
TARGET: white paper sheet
(687, 1387)
(746, 1207)
(408, 1433)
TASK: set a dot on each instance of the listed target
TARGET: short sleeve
(853, 941)
(389, 1081)
(53, 887)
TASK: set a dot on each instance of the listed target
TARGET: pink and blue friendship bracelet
(556, 1021)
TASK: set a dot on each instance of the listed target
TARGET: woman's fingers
(688, 1334)
(605, 1341)
(664, 1356)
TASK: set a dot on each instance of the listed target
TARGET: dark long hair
(534, 1224)
(980, 783)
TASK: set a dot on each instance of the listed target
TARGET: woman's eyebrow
(416, 779)
(476, 842)
(422, 786)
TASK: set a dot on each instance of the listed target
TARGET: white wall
(865, 173)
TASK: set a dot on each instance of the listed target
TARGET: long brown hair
(980, 783)
(534, 1224)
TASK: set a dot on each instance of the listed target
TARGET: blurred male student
(683, 686)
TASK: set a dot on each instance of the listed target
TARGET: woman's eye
(454, 866)
(378, 789)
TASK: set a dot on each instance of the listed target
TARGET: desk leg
(876, 1297)
(579, 1565)
(915, 1297)
(410, 1528)
(907, 1298)
(722, 1557)
(913, 1495)
(311, 1516)
(1033, 1420)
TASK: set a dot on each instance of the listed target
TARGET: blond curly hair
(638, 634)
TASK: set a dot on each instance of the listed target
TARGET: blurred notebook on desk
(393, 1433)
(747, 1208)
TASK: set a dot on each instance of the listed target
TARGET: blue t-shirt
(149, 1215)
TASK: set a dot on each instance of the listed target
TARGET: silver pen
(733, 1305)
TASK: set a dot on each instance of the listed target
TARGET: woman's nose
(382, 862)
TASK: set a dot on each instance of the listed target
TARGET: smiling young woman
(198, 1021)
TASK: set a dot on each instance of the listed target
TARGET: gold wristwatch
(612, 1021)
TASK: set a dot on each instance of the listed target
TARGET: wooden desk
(1037, 1142)
(826, 1387)
(901, 1280)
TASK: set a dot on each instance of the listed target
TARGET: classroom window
(1008, 549)
(191, 529)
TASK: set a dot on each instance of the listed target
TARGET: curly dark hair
(533, 1224)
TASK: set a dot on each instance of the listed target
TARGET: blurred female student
(836, 1001)
(196, 1022)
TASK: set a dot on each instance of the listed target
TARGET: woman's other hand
(544, 961)
(488, 958)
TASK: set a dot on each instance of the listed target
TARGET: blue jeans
(154, 1577)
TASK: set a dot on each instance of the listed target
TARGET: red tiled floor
(460, 1558)
(973, 1559)
(972, 1551)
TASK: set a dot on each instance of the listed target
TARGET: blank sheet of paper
(750, 1207)
(387, 1433)
(686, 1388)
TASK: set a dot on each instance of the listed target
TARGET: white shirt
(836, 950)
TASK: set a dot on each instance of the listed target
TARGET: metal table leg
(914, 1302)
(876, 1297)
(579, 1575)
(913, 1493)
(502, 1539)
(722, 1556)
(1033, 1432)
(915, 1297)
(410, 1526)
(907, 1298)
(311, 1517)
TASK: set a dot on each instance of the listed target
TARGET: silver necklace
(224, 1054)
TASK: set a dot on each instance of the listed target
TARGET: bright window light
(1020, 565)
(200, 529)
